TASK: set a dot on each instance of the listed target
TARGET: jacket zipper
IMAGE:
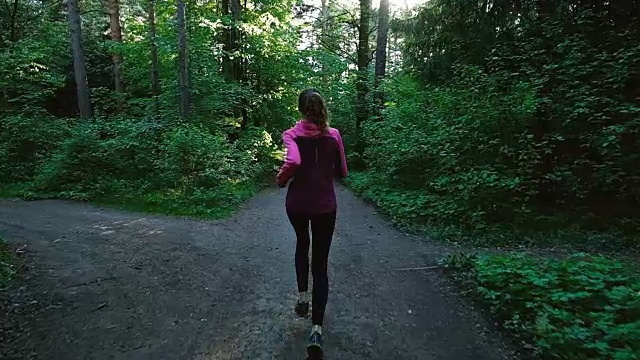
(316, 153)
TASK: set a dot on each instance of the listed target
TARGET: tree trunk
(364, 58)
(231, 45)
(238, 74)
(324, 34)
(183, 80)
(234, 40)
(324, 16)
(155, 76)
(14, 19)
(113, 8)
(79, 65)
(381, 54)
(227, 66)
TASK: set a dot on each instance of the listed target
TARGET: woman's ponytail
(313, 107)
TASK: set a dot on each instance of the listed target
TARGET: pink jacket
(292, 161)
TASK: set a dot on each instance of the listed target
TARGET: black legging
(322, 226)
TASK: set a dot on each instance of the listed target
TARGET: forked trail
(106, 284)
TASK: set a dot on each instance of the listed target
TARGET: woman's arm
(343, 172)
(292, 155)
(291, 159)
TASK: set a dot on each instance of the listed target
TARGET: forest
(498, 123)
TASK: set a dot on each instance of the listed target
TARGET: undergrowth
(170, 168)
(466, 159)
(581, 307)
(407, 208)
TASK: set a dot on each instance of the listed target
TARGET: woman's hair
(312, 106)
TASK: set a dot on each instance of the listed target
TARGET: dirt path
(107, 284)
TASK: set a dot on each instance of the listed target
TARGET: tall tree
(364, 58)
(13, 24)
(183, 80)
(235, 35)
(233, 66)
(79, 62)
(155, 73)
(324, 18)
(17, 19)
(231, 43)
(113, 8)
(227, 67)
(381, 53)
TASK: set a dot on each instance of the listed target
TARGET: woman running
(315, 155)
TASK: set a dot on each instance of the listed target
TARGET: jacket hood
(306, 128)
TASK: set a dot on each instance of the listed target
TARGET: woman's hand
(285, 174)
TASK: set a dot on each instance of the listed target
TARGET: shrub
(582, 307)
(184, 169)
(468, 155)
(443, 152)
(26, 142)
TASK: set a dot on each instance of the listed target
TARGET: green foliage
(31, 69)
(582, 307)
(96, 152)
(501, 116)
(437, 156)
(133, 153)
(460, 264)
(7, 269)
(529, 123)
(183, 169)
(26, 142)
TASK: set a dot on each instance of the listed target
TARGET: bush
(201, 173)
(184, 169)
(26, 142)
(443, 151)
(534, 126)
(466, 155)
(582, 307)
